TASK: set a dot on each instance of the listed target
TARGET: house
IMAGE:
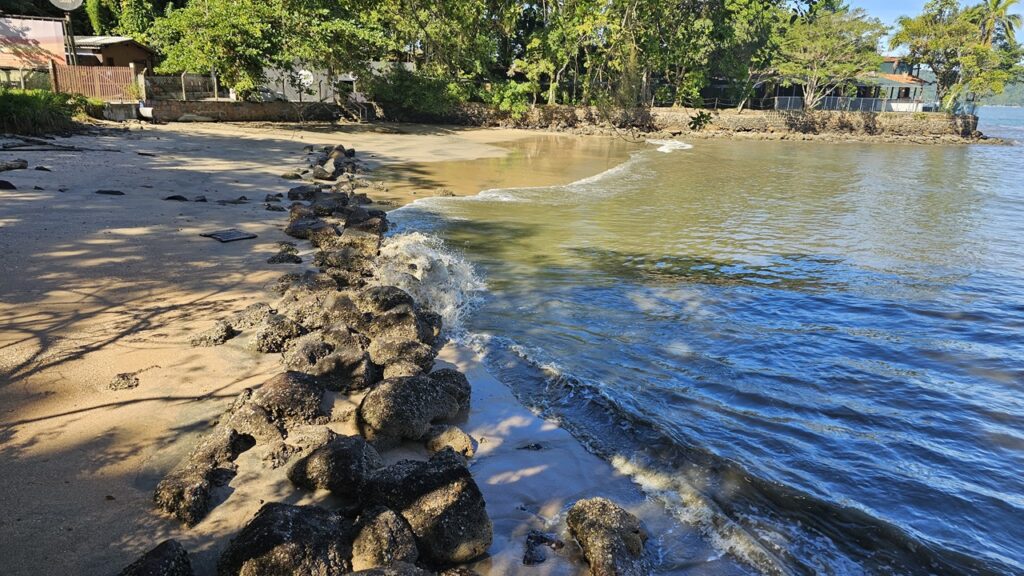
(895, 87)
(113, 51)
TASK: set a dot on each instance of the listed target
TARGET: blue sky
(889, 10)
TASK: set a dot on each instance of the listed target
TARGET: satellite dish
(66, 5)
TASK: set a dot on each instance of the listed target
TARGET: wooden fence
(109, 83)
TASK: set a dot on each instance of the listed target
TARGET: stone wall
(176, 110)
(677, 120)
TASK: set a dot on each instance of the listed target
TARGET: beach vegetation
(42, 111)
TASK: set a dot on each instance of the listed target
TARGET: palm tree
(992, 14)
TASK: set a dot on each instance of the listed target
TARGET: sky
(889, 10)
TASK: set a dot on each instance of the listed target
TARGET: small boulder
(379, 299)
(251, 316)
(402, 369)
(343, 466)
(274, 333)
(291, 399)
(611, 538)
(285, 258)
(286, 540)
(5, 185)
(443, 436)
(336, 357)
(442, 504)
(216, 335)
(396, 569)
(387, 351)
(124, 381)
(382, 537)
(169, 558)
(13, 165)
(537, 543)
(305, 192)
(405, 408)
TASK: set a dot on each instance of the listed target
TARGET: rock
(288, 540)
(441, 503)
(387, 351)
(216, 335)
(291, 176)
(273, 207)
(336, 357)
(43, 169)
(402, 368)
(396, 569)
(274, 333)
(185, 491)
(199, 199)
(304, 228)
(323, 236)
(382, 538)
(403, 322)
(343, 466)
(176, 198)
(291, 399)
(272, 198)
(124, 381)
(536, 542)
(455, 383)
(251, 316)
(305, 192)
(405, 408)
(284, 257)
(13, 165)
(380, 299)
(110, 192)
(446, 436)
(189, 117)
(611, 538)
(5, 185)
(169, 558)
(320, 173)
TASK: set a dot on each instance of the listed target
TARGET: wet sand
(97, 285)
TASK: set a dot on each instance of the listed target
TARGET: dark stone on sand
(176, 198)
(274, 208)
(537, 543)
(343, 466)
(216, 335)
(380, 299)
(272, 198)
(110, 192)
(402, 369)
(304, 192)
(382, 538)
(320, 173)
(168, 558)
(291, 176)
(124, 381)
(304, 228)
(291, 399)
(611, 538)
(13, 165)
(442, 504)
(42, 169)
(5, 185)
(405, 408)
(186, 490)
(287, 540)
(199, 199)
(38, 188)
(284, 257)
(443, 436)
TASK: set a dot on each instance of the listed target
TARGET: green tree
(828, 50)
(946, 38)
(236, 39)
(135, 19)
(993, 17)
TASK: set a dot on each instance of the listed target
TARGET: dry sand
(96, 285)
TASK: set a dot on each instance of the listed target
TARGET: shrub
(406, 95)
(42, 111)
(512, 97)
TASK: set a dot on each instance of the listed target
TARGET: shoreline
(97, 300)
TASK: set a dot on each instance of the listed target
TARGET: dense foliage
(41, 111)
(606, 53)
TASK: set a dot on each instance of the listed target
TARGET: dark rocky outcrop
(442, 504)
(168, 558)
(382, 538)
(274, 333)
(287, 540)
(343, 466)
(396, 569)
(124, 381)
(611, 538)
(537, 543)
(444, 436)
(251, 316)
(405, 408)
(335, 356)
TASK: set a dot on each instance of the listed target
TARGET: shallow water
(812, 352)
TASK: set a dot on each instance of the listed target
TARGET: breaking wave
(667, 146)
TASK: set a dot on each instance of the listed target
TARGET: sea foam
(668, 146)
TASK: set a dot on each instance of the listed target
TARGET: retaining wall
(176, 110)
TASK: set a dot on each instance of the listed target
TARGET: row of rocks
(338, 333)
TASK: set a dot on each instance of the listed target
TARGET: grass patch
(42, 111)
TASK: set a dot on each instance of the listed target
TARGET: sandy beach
(95, 285)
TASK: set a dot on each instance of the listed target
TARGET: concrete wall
(174, 110)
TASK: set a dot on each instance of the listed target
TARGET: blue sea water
(825, 342)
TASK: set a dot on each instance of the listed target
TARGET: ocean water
(812, 353)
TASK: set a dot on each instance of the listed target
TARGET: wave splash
(668, 146)
(435, 276)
